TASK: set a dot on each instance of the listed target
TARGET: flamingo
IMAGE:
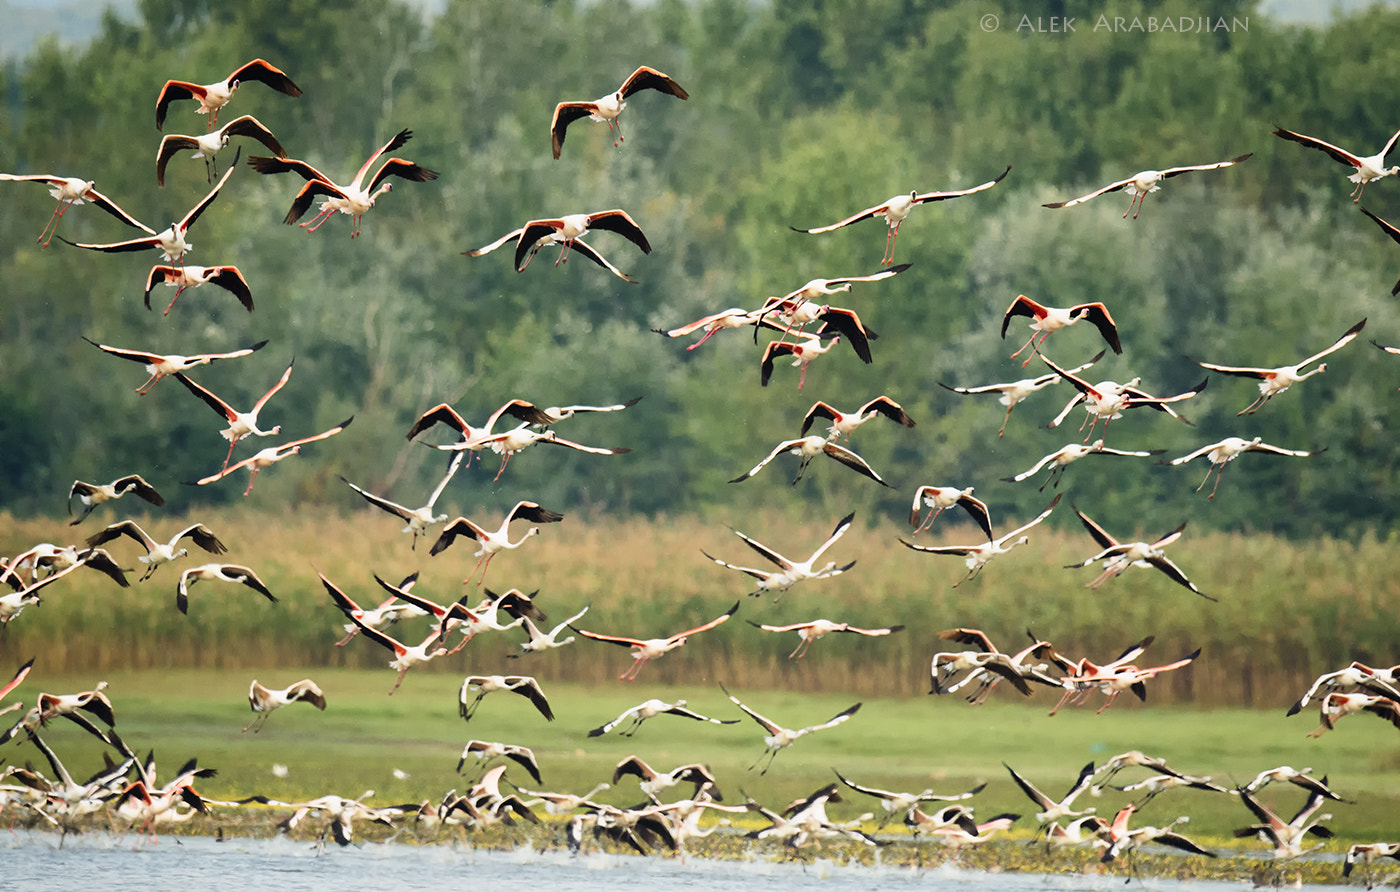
(977, 556)
(524, 685)
(940, 499)
(650, 709)
(483, 751)
(835, 322)
(803, 304)
(1121, 840)
(510, 442)
(1115, 677)
(988, 665)
(1391, 231)
(339, 810)
(209, 144)
(540, 641)
(897, 208)
(1159, 783)
(1130, 759)
(1336, 705)
(1076, 671)
(1274, 381)
(49, 558)
(1356, 675)
(576, 244)
(522, 411)
(419, 519)
(816, 629)
(170, 242)
(271, 455)
(390, 611)
(1300, 778)
(94, 494)
(1073, 452)
(14, 682)
(644, 650)
(51, 706)
(566, 230)
(1053, 810)
(405, 656)
(1285, 836)
(1228, 449)
(353, 199)
(264, 700)
(734, 317)
(557, 414)
(843, 423)
(1015, 391)
(809, 447)
(489, 542)
(158, 553)
(1367, 853)
(212, 97)
(70, 191)
(1108, 400)
(1119, 556)
(607, 108)
(957, 836)
(1052, 319)
(1371, 167)
(240, 424)
(802, 354)
(780, 738)
(653, 781)
(1143, 182)
(229, 278)
(1088, 830)
(893, 802)
(235, 573)
(160, 365)
(790, 572)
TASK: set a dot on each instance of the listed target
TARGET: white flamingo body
(1108, 400)
(1119, 556)
(1227, 450)
(940, 499)
(240, 424)
(524, 685)
(802, 353)
(161, 365)
(1144, 182)
(779, 738)
(212, 97)
(69, 191)
(264, 700)
(1336, 705)
(790, 572)
(1073, 452)
(977, 556)
(644, 650)
(1368, 167)
(207, 145)
(541, 641)
(1011, 393)
(1051, 319)
(1274, 381)
(896, 209)
(271, 455)
(229, 278)
(607, 108)
(1357, 675)
(809, 447)
(815, 630)
(235, 573)
(94, 494)
(418, 519)
(844, 423)
(652, 708)
(158, 553)
(490, 542)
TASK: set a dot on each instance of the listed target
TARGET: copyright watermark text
(1121, 24)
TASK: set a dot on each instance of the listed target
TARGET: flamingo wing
(959, 193)
(645, 78)
(264, 71)
(588, 251)
(620, 222)
(1173, 171)
(1312, 142)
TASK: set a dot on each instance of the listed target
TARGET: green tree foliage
(799, 115)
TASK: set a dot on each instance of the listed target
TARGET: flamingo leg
(315, 222)
(932, 516)
(346, 640)
(53, 222)
(802, 377)
(233, 441)
(178, 291)
(354, 233)
(252, 478)
(150, 382)
(1356, 193)
(564, 249)
(399, 680)
(889, 244)
(504, 459)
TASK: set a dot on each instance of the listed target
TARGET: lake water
(34, 861)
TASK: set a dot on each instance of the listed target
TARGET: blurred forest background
(799, 115)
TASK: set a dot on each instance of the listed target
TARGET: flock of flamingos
(803, 326)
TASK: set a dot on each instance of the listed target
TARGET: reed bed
(1287, 610)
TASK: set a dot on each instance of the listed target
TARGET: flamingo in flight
(471, 437)
(1274, 381)
(212, 97)
(1285, 836)
(988, 665)
(70, 191)
(814, 630)
(610, 106)
(894, 802)
(1119, 556)
(353, 199)
(940, 499)
(389, 611)
(1015, 391)
(1117, 677)
(490, 542)
(1391, 231)
(94, 494)
(803, 306)
(15, 681)
(897, 208)
(567, 232)
(406, 656)
(809, 447)
(271, 455)
(1053, 810)
(1108, 400)
(229, 278)
(209, 144)
(977, 556)
(418, 519)
(524, 685)
(734, 317)
(542, 641)
(1143, 182)
(644, 650)
(510, 442)
(170, 242)
(1227, 450)
(790, 572)
(160, 365)
(1052, 319)
(1385, 682)
(780, 738)
(650, 709)
(1336, 705)
(484, 750)
(843, 423)
(158, 553)
(802, 353)
(1121, 840)
(240, 424)
(1070, 453)
(235, 573)
(263, 700)
(1371, 167)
